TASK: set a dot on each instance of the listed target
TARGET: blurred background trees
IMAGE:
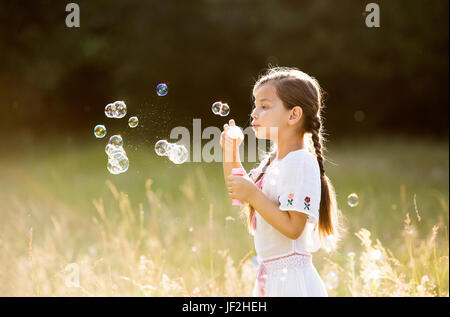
(56, 80)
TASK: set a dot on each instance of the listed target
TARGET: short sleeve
(300, 186)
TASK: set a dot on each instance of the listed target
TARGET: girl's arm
(290, 223)
(230, 152)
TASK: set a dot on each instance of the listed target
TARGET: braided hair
(251, 210)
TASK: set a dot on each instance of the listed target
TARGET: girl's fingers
(225, 126)
(232, 122)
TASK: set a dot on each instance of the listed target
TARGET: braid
(316, 131)
(263, 171)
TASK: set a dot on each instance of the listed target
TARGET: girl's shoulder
(299, 156)
(300, 162)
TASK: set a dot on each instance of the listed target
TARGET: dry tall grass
(126, 251)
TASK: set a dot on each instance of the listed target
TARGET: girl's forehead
(265, 91)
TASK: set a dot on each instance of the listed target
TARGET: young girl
(291, 203)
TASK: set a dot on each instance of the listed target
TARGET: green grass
(54, 188)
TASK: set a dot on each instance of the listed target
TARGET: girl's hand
(240, 187)
(230, 147)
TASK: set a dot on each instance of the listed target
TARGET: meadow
(69, 228)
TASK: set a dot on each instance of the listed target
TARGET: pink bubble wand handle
(238, 172)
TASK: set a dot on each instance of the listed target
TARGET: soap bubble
(162, 89)
(255, 262)
(112, 149)
(116, 140)
(110, 110)
(178, 154)
(235, 132)
(224, 110)
(112, 167)
(99, 131)
(120, 160)
(161, 147)
(376, 255)
(121, 109)
(133, 122)
(331, 280)
(353, 200)
(216, 107)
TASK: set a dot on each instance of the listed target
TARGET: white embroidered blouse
(294, 183)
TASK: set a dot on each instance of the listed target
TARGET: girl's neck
(289, 144)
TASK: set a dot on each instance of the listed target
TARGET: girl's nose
(253, 114)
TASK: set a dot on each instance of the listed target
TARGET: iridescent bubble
(255, 262)
(331, 280)
(224, 110)
(99, 131)
(376, 255)
(178, 154)
(353, 200)
(162, 89)
(120, 160)
(161, 147)
(112, 167)
(133, 122)
(112, 149)
(110, 110)
(216, 107)
(235, 132)
(121, 109)
(116, 140)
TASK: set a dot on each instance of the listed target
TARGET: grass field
(169, 230)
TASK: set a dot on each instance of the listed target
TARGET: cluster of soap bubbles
(116, 110)
(220, 108)
(178, 154)
(117, 157)
(353, 200)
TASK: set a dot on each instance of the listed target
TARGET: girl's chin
(261, 137)
(261, 133)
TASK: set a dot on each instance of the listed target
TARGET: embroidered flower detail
(307, 204)
(290, 199)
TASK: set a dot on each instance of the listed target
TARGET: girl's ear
(295, 115)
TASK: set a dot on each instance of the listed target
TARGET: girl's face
(269, 116)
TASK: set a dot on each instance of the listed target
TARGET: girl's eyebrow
(264, 99)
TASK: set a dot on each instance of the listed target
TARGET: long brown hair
(296, 88)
